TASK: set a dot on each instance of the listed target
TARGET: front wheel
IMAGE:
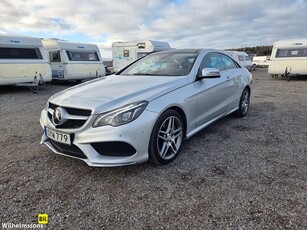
(243, 103)
(166, 138)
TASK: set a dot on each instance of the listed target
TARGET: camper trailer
(124, 53)
(289, 57)
(73, 61)
(242, 58)
(23, 61)
(261, 61)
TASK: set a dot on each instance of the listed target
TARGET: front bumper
(132, 136)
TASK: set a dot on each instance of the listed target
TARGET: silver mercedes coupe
(148, 109)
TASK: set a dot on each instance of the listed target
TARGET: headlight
(122, 115)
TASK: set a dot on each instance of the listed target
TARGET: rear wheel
(166, 138)
(243, 104)
(253, 67)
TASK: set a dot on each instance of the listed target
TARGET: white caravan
(124, 53)
(73, 61)
(289, 57)
(23, 61)
(261, 61)
(242, 58)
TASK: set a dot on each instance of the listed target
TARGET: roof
(55, 43)
(182, 51)
(291, 42)
(19, 40)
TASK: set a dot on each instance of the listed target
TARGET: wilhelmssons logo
(59, 116)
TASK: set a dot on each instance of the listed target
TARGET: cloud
(183, 23)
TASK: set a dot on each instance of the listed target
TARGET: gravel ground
(240, 173)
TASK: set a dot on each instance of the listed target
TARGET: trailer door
(57, 66)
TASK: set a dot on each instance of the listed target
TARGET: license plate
(58, 136)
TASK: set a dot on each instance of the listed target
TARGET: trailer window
(248, 58)
(20, 53)
(55, 56)
(285, 53)
(241, 58)
(141, 45)
(82, 56)
(126, 53)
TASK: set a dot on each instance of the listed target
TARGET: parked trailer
(124, 53)
(23, 61)
(289, 58)
(261, 61)
(73, 61)
(242, 58)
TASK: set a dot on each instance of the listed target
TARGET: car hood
(102, 95)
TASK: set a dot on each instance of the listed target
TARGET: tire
(166, 138)
(243, 103)
(253, 67)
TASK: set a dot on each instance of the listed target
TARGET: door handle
(228, 78)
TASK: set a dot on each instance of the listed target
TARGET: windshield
(163, 64)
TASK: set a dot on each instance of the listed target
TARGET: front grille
(71, 123)
(79, 112)
(70, 150)
(115, 148)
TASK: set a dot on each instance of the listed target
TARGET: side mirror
(210, 73)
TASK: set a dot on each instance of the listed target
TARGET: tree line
(258, 50)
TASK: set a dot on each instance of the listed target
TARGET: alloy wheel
(169, 137)
(245, 102)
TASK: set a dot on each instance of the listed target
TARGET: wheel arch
(183, 116)
(171, 111)
(247, 87)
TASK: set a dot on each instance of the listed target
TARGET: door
(56, 64)
(212, 93)
(233, 74)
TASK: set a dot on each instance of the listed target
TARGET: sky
(220, 24)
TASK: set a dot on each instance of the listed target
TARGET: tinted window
(228, 62)
(20, 53)
(212, 60)
(82, 56)
(108, 63)
(298, 52)
(248, 58)
(55, 56)
(241, 58)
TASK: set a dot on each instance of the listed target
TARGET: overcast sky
(183, 23)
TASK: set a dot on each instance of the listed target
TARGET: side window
(82, 55)
(212, 60)
(228, 62)
(297, 52)
(55, 56)
(241, 58)
(20, 53)
(248, 58)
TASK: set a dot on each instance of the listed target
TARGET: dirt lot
(247, 173)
